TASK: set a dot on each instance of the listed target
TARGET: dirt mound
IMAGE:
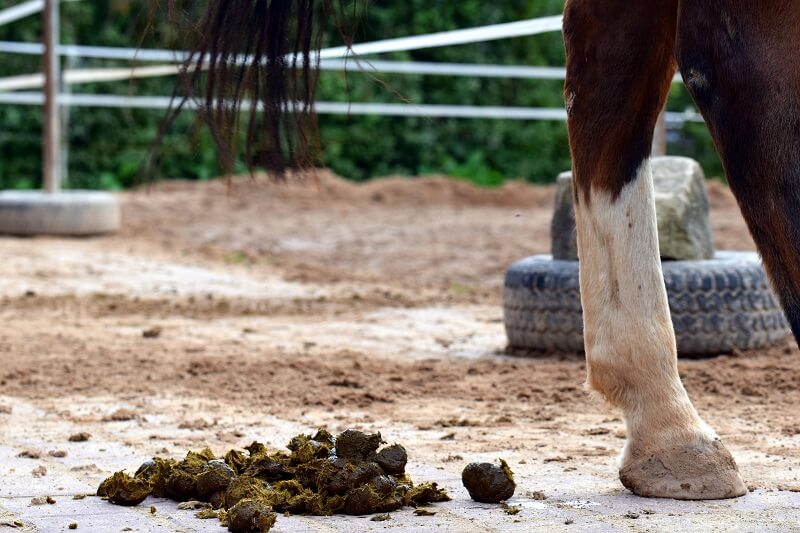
(432, 232)
(324, 186)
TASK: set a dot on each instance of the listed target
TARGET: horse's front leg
(620, 61)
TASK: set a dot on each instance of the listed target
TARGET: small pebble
(152, 333)
(120, 415)
(30, 454)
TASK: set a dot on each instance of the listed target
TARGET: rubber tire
(76, 213)
(717, 306)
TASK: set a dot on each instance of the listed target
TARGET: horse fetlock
(636, 386)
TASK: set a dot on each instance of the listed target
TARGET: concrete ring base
(74, 213)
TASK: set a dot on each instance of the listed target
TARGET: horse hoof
(698, 471)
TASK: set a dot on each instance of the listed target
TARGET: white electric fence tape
(339, 108)
(337, 58)
(20, 11)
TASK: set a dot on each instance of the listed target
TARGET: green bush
(108, 146)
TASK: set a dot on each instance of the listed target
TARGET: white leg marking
(630, 343)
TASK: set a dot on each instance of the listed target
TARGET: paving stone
(588, 500)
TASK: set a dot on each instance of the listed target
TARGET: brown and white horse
(740, 60)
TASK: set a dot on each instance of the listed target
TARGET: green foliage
(483, 151)
(108, 146)
(475, 170)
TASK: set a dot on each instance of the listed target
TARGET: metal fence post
(51, 143)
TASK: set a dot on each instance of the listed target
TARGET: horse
(738, 59)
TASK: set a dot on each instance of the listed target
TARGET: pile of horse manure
(320, 475)
(489, 483)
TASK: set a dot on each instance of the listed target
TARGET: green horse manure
(489, 483)
(319, 475)
(122, 489)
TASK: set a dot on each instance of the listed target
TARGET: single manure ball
(489, 482)
(357, 446)
(244, 487)
(250, 516)
(147, 470)
(214, 478)
(393, 459)
(217, 500)
(377, 496)
(122, 489)
(181, 486)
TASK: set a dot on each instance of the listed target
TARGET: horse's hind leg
(741, 63)
(620, 60)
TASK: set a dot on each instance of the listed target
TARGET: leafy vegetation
(108, 146)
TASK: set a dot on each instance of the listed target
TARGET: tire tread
(717, 306)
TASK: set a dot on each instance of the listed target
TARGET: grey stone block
(562, 228)
(684, 230)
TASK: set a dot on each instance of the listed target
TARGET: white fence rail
(482, 34)
(336, 58)
(328, 108)
(402, 44)
(331, 59)
(339, 58)
(20, 11)
(339, 65)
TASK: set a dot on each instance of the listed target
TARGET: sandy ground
(278, 309)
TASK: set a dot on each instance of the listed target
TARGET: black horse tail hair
(252, 73)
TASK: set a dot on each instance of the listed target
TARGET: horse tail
(253, 72)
